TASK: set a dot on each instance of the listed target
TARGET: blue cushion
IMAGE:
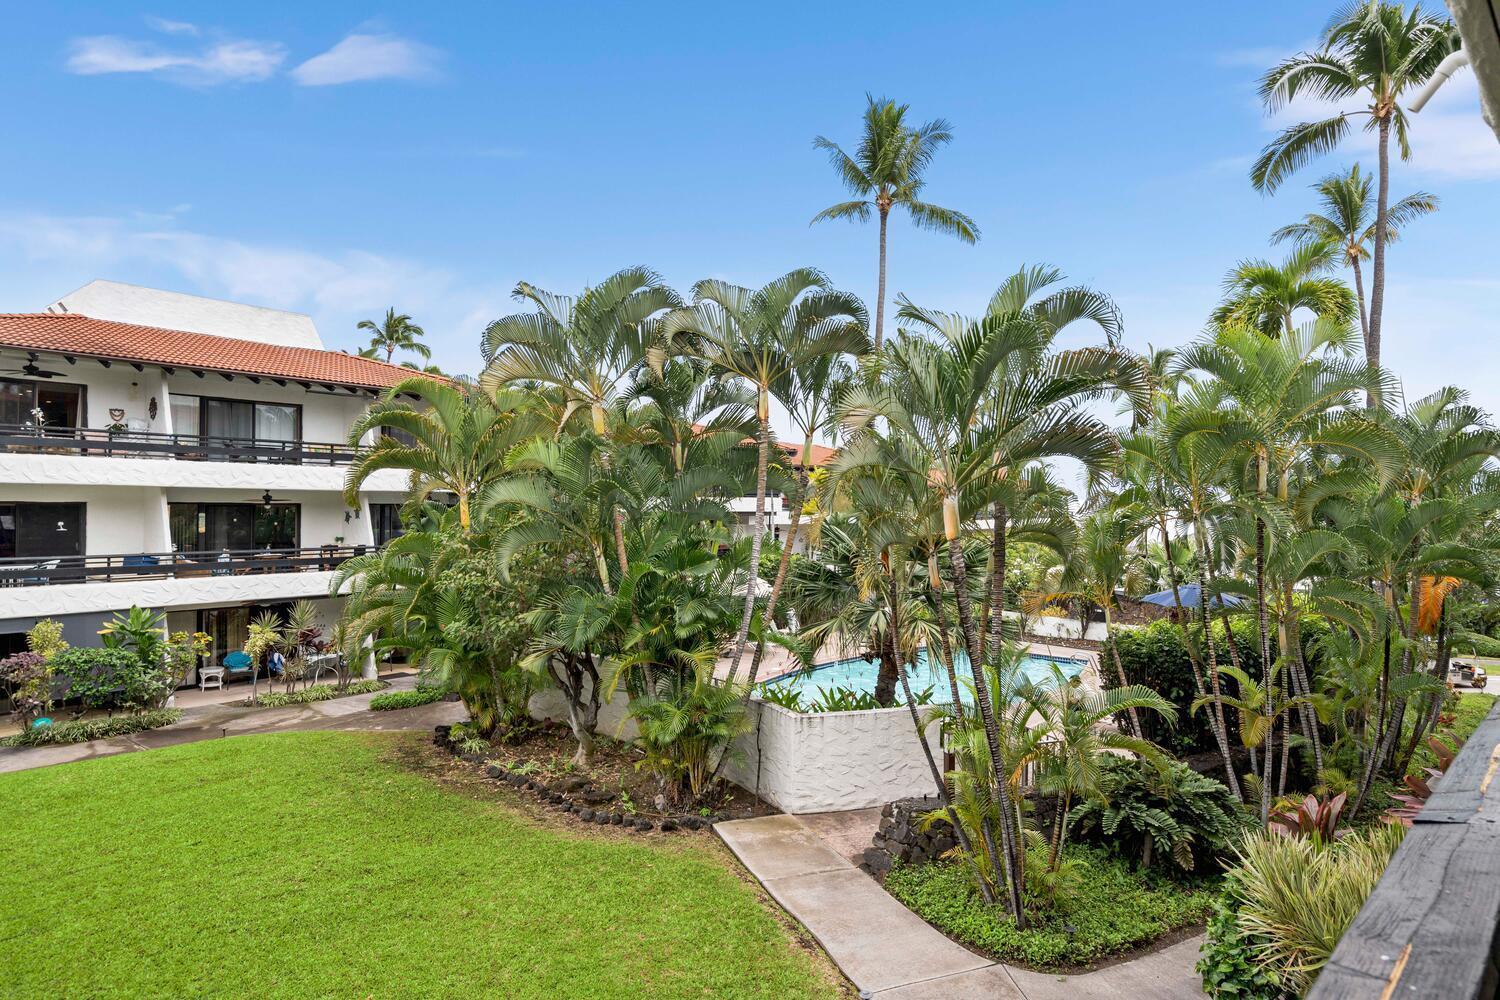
(237, 660)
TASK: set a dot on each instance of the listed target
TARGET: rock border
(575, 796)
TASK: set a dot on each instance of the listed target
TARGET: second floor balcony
(31, 571)
(27, 438)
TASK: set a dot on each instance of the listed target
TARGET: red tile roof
(820, 454)
(84, 336)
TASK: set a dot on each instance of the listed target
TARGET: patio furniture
(237, 662)
(210, 677)
(46, 566)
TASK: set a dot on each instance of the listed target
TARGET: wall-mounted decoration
(151, 408)
(116, 413)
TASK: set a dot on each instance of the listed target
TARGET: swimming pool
(859, 674)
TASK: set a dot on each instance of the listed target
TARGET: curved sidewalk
(215, 721)
(891, 953)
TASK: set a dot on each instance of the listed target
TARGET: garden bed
(1112, 913)
(85, 730)
(538, 760)
(317, 692)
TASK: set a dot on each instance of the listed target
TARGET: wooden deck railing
(1429, 930)
(26, 438)
(33, 571)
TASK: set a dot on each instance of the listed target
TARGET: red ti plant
(1420, 786)
(1314, 817)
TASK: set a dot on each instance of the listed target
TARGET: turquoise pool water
(860, 674)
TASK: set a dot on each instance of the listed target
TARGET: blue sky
(336, 158)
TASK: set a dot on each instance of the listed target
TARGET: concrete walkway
(891, 953)
(215, 721)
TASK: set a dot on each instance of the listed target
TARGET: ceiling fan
(30, 369)
(266, 498)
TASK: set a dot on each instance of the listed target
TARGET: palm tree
(454, 442)
(588, 347)
(1263, 295)
(765, 337)
(1375, 52)
(1347, 222)
(395, 333)
(886, 172)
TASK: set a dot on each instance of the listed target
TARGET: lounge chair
(237, 663)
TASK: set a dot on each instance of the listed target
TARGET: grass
(1114, 910)
(319, 864)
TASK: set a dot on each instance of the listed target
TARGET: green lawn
(314, 864)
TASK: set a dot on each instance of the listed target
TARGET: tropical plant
(685, 730)
(1373, 52)
(1347, 223)
(1265, 296)
(885, 172)
(394, 333)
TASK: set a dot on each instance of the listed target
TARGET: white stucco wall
(124, 303)
(832, 761)
(204, 591)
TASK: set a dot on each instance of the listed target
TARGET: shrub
(1474, 644)
(98, 678)
(684, 731)
(92, 729)
(407, 699)
(1230, 968)
(318, 692)
(1297, 895)
(1145, 815)
(1105, 909)
(1155, 656)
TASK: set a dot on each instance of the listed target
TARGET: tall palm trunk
(885, 211)
(784, 565)
(1297, 664)
(1109, 640)
(1265, 666)
(762, 446)
(1059, 823)
(1213, 667)
(1377, 264)
(1008, 838)
(1214, 727)
(994, 621)
(1359, 293)
(937, 774)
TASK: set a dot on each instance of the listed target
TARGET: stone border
(575, 795)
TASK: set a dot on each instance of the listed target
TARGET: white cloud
(361, 57)
(168, 27)
(220, 62)
(47, 255)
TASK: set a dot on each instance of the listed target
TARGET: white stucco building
(177, 453)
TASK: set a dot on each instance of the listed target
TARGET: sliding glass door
(234, 527)
(234, 421)
(41, 530)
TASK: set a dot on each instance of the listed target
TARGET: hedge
(1155, 656)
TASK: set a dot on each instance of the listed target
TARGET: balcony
(30, 571)
(90, 441)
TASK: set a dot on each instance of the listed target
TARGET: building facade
(180, 454)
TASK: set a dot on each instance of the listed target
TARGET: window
(387, 521)
(235, 527)
(43, 530)
(237, 419)
(61, 403)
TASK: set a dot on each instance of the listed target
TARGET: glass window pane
(276, 526)
(16, 401)
(7, 530)
(230, 526)
(228, 418)
(185, 526)
(49, 529)
(275, 422)
(184, 414)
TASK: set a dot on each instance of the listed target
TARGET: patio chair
(237, 663)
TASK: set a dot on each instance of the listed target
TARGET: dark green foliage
(96, 678)
(1156, 657)
(1466, 643)
(1183, 818)
(1108, 908)
(407, 699)
(92, 729)
(317, 692)
(1228, 966)
(835, 699)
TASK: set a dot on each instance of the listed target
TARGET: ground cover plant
(1107, 909)
(83, 730)
(315, 692)
(392, 700)
(318, 864)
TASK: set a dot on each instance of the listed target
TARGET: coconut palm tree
(1264, 295)
(1373, 52)
(1347, 221)
(454, 440)
(885, 172)
(765, 337)
(394, 333)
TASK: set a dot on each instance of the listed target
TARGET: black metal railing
(31, 571)
(153, 444)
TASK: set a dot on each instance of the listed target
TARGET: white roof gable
(122, 303)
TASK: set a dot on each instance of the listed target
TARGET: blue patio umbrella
(1191, 596)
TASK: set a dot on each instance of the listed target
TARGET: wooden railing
(1430, 927)
(152, 444)
(31, 571)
